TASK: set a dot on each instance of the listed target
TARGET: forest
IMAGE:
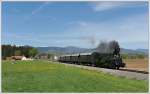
(13, 50)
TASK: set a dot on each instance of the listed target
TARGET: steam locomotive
(104, 60)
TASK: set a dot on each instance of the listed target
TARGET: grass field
(44, 76)
(137, 64)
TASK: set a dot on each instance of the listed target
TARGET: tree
(10, 50)
(140, 56)
(33, 52)
(17, 52)
(49, 56)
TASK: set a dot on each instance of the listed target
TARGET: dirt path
(136, 64)
(127, 74)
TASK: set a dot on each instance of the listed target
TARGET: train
(103, 60)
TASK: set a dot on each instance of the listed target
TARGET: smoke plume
(108, 47)
(89, 39)
(92, 40)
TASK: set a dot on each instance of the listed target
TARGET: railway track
(127, 73)
(137, 71)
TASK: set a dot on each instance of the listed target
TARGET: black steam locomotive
(105, 60)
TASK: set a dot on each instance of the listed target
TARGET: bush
(133, 56)
(141, 56)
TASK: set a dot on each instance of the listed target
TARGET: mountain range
(72, 49)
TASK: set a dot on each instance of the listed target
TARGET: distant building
(42, 56)
(18, 58)
(55, 57)
(8, 58)
(46, 56)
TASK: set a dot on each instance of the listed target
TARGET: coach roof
(76, 54)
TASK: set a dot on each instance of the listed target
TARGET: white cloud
(132, 29)
(37, 10)
(40, 8)
(103, 6)
(81, 23)
(131, 32)
(78, 23)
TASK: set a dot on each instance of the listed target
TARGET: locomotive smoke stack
(108, 47)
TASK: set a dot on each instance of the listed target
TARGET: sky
(80, 24)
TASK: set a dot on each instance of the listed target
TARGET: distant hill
(63, 50)
(142, 50)
(137, 51)
(72, 49)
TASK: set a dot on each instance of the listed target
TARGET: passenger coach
(105, 60)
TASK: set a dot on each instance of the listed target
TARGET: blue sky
(81, 24)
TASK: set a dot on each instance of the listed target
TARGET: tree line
(13, 50)
(134, 56)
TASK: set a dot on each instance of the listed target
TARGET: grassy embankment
(44, 76)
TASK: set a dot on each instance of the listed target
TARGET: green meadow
(45, 76)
